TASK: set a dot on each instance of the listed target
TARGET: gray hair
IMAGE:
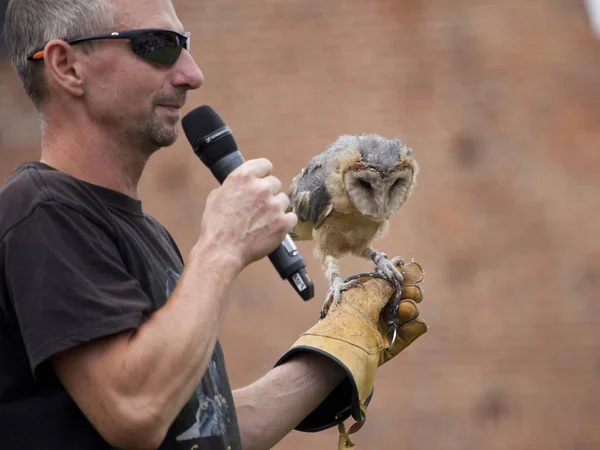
(31, 24)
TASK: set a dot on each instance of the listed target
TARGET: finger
(283, 200)
(291, 220)
(410, 331)
(407, 310)
(413, 292)
(273, 184)
(413, 273)
(212, 195)
(259, 168)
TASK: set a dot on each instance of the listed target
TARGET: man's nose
(187, 72)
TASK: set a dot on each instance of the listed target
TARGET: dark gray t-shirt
(78, 262)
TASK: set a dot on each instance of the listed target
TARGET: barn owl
(343, 199)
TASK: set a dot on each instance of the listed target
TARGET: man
(106, 340)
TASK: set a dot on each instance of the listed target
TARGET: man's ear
(63, 66)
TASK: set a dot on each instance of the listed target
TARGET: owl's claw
(334, 294)
(388, 269)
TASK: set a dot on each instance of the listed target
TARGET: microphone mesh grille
(202, 122)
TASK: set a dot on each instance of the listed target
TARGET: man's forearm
(271, 407)
(132, 385)
(172, 350)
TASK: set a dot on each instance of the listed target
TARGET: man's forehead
(133, 14)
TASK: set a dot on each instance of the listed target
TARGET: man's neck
(90, 156)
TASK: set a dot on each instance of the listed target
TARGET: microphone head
(210, 137)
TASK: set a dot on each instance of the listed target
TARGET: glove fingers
(412, 292)
(410, 331)
(413, 273)
(408, 310)
(407, 334)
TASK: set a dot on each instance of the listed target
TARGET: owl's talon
(397, 261)
(388, 268)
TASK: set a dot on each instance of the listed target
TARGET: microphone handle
(291, 266)
(286, 258)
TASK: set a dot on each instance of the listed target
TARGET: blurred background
(500, 102)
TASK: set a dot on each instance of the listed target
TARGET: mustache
(177, 98)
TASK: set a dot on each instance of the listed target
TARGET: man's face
(135, 98)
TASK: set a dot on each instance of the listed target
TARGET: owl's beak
(381, 200)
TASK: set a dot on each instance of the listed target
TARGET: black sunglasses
(152, 44)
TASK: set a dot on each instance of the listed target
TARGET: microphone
(214, 144)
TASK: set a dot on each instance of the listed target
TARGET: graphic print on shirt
(212, 416)
(213, 413)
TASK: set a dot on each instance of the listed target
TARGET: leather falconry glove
(355, 334)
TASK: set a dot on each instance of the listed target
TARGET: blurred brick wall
(501, 103)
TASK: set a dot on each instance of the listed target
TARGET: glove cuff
(355, 345)
(341, 403)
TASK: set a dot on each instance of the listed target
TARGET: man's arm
(132, 385)
(270, 408)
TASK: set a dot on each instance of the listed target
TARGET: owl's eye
(364, 183)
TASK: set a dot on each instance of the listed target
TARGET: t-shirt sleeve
(67, 282)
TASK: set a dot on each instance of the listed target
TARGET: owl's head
(383, 179)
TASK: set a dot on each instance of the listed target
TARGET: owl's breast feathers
(341, 234)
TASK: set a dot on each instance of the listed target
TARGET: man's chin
(162, 131)
(164, 138)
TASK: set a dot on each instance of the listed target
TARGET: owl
(344, 198)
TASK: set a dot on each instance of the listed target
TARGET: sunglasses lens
(157, 46)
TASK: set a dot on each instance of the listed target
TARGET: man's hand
(246, 216)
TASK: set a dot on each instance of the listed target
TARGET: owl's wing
(309, 199)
